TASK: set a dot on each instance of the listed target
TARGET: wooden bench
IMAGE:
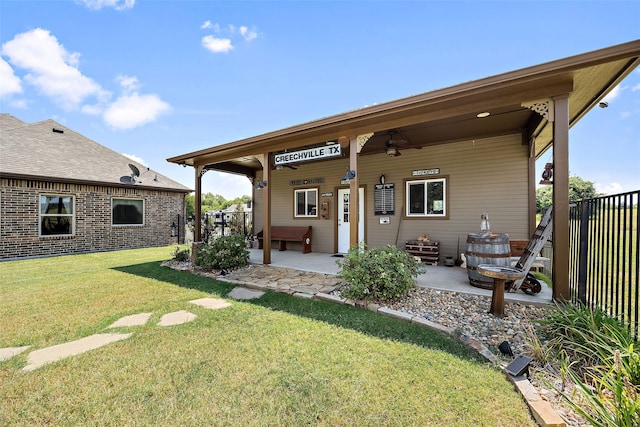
(285, 233)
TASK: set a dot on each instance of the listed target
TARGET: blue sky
(155, 79)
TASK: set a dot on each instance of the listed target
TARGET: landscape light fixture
(349, 175)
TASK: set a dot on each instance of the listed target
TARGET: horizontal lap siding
(486, 175)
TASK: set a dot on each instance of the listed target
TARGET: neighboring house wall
(20, 219)
(483, 175)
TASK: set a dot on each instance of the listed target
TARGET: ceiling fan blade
(291, 167)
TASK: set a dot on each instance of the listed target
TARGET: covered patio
(428, 163)
(452, 279)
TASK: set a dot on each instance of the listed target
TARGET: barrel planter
(486, 248)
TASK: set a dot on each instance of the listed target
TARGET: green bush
(224, 252)
(181, 255)
(380, 273)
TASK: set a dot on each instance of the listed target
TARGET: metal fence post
(584, 250)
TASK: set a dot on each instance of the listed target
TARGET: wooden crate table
(427, 250)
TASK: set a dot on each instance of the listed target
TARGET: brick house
(63, 193)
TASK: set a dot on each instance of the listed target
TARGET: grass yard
(278, 360)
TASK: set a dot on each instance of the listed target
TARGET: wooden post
(561, 199)
(354, 203)
(197, 234)
(266, 200)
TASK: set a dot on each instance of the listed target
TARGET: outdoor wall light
(391, 151)
(174, 229)
(349, 175)
(261, 184)
(382, 179)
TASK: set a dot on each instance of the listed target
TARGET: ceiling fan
(394, 143)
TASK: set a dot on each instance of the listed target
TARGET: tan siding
(488, 175)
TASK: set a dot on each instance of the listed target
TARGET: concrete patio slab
(132, 320)
(47, 355)
(8, 352)
(211, 303)
(244, 294)
(176, 318)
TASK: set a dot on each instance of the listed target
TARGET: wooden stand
(500, 275)
(428, 251)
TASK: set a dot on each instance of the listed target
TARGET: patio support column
(353, 193)
(197, 234)
(532, 187)
(266, 206)
(561, 199)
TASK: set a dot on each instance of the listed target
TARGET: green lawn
(278, 360)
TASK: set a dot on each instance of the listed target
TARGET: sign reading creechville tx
(316, 153)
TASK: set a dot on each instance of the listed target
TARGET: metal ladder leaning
(537, 242)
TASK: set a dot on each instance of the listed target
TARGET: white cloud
(206, 25)
(611, 188)
(128, 83)
(9, 82)
(216, 45)
(248, 34)
(135, 158)
(51, 68)
(615, 92)
(116, 4)
(133, 110)
(635, 88)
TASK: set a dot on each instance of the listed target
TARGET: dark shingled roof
(50, 151)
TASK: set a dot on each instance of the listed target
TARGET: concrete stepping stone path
(176, 318)
(43, 356)
(240, 293)
(132, 320)
(211, 303)
(8, 352)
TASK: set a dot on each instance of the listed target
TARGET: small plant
(542, 277)
(223, 253)
(181, 255)
(379, 273)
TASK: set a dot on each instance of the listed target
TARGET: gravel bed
(470, 315)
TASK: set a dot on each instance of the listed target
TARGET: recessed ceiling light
(483, 114)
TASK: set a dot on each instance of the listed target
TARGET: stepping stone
(211, 303)
(8, 352)
(43, 356)
(176, 318)
(240, 293)
(133, 320)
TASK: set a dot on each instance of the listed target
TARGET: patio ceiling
(446, 115)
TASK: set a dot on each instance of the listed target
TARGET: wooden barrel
(486, 248)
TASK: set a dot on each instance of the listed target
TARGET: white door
(345, 217)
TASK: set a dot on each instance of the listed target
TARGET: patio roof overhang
(446, 115)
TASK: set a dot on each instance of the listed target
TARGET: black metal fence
(605, 255)
(225, 223)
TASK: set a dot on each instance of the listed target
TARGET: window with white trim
(426, 198)
(57, 215)
(127, 211)
(306, 203)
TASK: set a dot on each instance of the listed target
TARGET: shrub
(181, 255)
(223, 253)
(380, 273)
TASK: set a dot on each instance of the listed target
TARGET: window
(127, 212)
(306, 203)
(427, 198)
(57, 216)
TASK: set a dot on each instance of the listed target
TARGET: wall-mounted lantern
(349, 175)
(174, 229)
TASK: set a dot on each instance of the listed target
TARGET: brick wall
(19, 219)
